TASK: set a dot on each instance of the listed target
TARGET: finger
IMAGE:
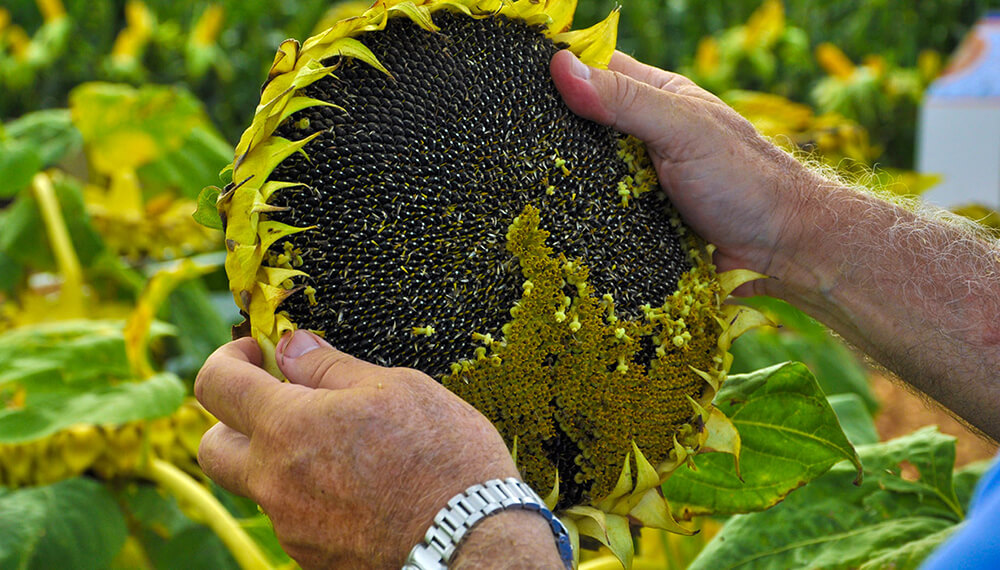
(232, 386)
(659, 78)
(224, 455)
(305, 358)
(619, 101)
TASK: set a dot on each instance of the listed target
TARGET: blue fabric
(977, 543)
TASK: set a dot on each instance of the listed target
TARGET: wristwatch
(465, 510)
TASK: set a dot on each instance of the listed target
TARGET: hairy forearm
(511, 539)
(919, 295)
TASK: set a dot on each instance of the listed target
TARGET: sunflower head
(413, 186)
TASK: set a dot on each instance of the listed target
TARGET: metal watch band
(465, 510)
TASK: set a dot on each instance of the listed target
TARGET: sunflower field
(118, 119)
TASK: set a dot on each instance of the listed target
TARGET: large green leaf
(19, 162)
(886, 521)
(801, 339)
(75, 523)
(11, 271)
(190, 167)
(50, 133)
(966, 478)
(790, 435)
(59, 374)
(200, 327)
(125, 128)
(854, 418)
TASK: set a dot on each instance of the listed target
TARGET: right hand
(730, 185)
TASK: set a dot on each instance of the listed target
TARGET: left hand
(351, 461)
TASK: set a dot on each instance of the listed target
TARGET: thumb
(305, 358)
(617, 100)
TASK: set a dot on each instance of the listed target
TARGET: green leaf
(200, 327)
(854, 418)
(169, 538)
(11, 271)
(966, 478)
(125, 127)
(910, 554)
(59, 374)
(19, 162)
(257, 525)
(790, 435)
(51, 133)
(801, 339)
(191, 166)
(207, 213)
(75, 523)
(833, 523)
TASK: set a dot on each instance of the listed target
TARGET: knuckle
(331, 365)
(204, 378)
(627, 92)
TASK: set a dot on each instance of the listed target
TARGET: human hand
(351, 461)
(731, 186)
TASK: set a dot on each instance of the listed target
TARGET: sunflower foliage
(105, 314)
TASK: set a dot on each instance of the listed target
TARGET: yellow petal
(646, 476)
(560, 15)
(574, 537)
(593, 45)
(553, 497)
(733, 278)
(275, 276)
(722, 436)
(652, 511)
(419, 15)
(269, 188)
(622, 488)
(284, 60)
(738, 321)
(271, 231)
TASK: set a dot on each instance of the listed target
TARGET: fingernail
(579, 69)
(299, 342)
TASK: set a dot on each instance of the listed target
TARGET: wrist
(806, 257)
(479, 505)
(518, 539)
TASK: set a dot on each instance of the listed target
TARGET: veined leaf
(75, 523)
(19, 162)
(801, 339)
(854, 418)
(833, 523)
(50, 133)
(55, 375)
(186, 169)
(207, 214)
(125, 128)
(790, 435)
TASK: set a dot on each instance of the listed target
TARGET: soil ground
(904, 411)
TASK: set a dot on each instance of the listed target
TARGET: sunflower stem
(71, 295)
(246, 552)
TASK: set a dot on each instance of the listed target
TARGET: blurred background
(116, 114)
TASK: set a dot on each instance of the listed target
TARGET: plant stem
(246, 552)
(71, 295)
